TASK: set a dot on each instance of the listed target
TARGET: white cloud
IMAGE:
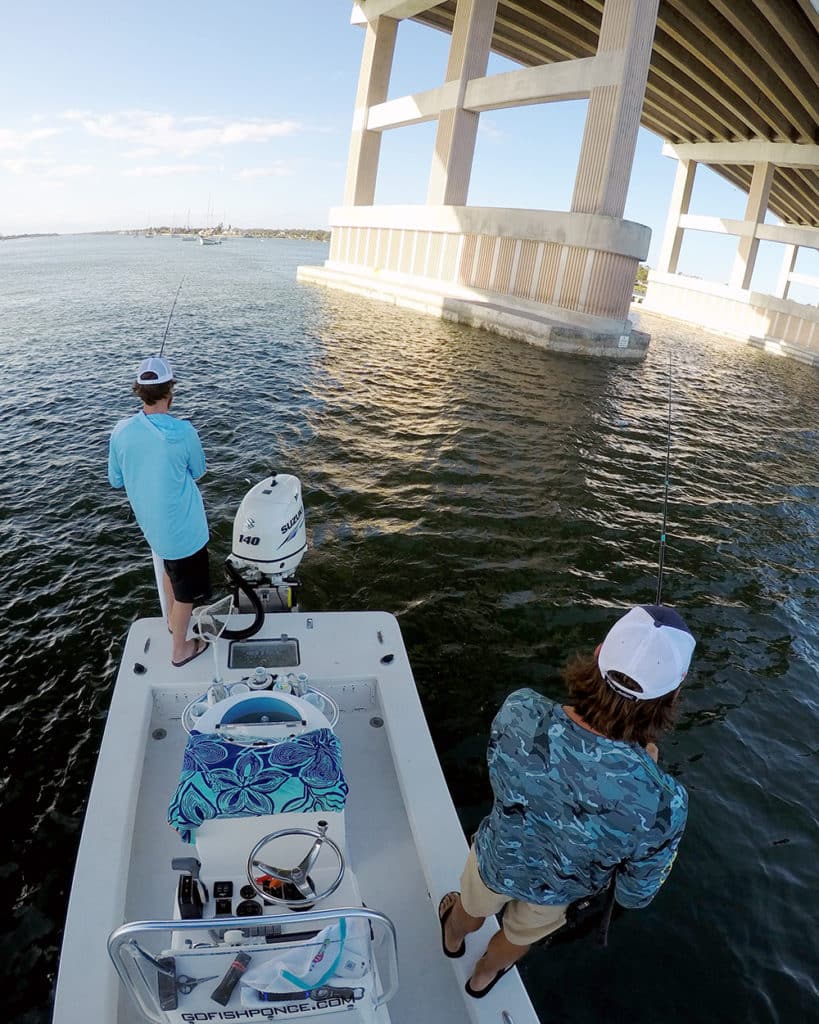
(277, 171)
(23, 165)
(173, 135)
(163, 170)
(42, 167)
(16, 142)
(143, 153)
(490, 130)
(71, 171)
(255, 131)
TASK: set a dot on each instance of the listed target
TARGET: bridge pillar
(613, 115)
(680, 201)
(457, 127)
(563, 280)
(745, 260)
(373, 83)
(783, 285)
(774, 322)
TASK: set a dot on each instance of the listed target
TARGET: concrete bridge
(727, 83)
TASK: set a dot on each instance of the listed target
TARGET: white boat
(192, 930)
(209, 240)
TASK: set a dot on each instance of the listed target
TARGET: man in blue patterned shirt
(578, 796)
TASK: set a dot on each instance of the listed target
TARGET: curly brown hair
(150, 394)
(607, 712)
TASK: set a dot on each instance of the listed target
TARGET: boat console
(268, 917)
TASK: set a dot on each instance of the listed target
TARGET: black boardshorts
(190, 577)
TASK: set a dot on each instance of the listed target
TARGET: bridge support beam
(680, 201)
(373, 83)
(561, 280)
(771, 321)
(745, 261)
(783, 285)
(613, 116)
(458, 127)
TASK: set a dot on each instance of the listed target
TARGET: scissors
(185, 984)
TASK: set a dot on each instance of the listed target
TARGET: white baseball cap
(154, 370)
(650, 644)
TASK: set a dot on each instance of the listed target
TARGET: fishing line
(608, 907)
(170, 317)
(658, 599)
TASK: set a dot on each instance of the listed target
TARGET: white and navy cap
(154, 370)
(650, 644)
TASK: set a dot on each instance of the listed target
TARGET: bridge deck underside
(721, 71)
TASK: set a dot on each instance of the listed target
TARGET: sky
(181, 113)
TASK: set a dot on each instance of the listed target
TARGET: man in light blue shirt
(156, 458)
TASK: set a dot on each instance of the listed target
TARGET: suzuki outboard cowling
(269, 541)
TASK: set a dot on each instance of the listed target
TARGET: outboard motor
(269, 541)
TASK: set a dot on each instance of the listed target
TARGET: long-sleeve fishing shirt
(570, 807)
(157, 458)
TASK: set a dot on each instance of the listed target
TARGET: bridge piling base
(586, 336)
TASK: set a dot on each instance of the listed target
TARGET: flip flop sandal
(199, 648)
(442, 918)
(480, 993)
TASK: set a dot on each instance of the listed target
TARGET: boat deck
(404, 842)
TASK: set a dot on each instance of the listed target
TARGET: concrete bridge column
(678, 207)
(373, 83)
(613, 117)
(457, 127)
(755, 214)
(775, 322)
(559, 279)
(783, 285)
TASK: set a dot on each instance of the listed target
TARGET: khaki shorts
(523, 923)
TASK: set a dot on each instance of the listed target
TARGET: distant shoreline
(43, 234)
(300, 234)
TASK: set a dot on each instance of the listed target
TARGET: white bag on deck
(331, 972)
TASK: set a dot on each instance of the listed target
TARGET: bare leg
(169, 598)
(500, 954)
(458, 925)
(180, 620)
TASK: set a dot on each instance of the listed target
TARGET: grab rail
(122, 941)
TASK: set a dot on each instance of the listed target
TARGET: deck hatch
(281, 653)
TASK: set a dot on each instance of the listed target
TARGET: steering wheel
(298, 877)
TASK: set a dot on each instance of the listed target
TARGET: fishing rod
(170, 317)
(609, 901)
(658, 599)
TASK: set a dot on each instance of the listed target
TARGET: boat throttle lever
(190, 890)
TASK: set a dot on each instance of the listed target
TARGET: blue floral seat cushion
(220, 779)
